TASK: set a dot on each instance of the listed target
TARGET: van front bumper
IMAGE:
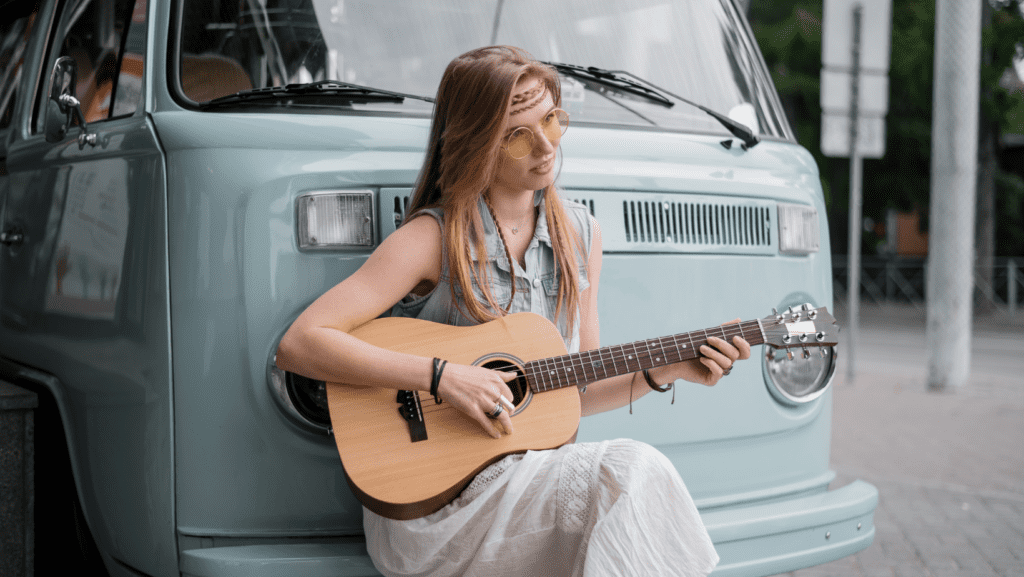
(781, 536)
(759, 539)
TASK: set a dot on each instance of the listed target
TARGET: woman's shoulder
(418, 239)
(422, 227)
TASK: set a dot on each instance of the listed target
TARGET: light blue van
(227, 161)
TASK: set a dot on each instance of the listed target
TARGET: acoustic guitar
(406, 456)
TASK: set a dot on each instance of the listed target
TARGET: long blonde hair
(466, 134)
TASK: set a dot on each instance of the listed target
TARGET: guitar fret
(597, 364)
(552, 371)
(586, 363)
(604, 364)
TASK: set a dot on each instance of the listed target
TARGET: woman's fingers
(487, 424)
(715, 371)
(720, 351)
(479, 393)
(743, 346)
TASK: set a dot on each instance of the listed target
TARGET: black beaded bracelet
(435, 379)
(650, 383)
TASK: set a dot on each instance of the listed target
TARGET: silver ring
(497, 411)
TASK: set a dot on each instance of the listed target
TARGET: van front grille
(653, 222)
(684, 222)
(697, 223)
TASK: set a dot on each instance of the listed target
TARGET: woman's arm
(317, 344)
(614, 392)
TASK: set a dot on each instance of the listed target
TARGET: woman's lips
(544, 168)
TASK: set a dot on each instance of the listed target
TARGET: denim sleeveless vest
(536, 283)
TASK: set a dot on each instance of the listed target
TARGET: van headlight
(799, 353)
(799, 231)
(303, 399)
(329, 219)
(795, 377)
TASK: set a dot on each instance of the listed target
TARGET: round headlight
(302, 399)
(802, 378)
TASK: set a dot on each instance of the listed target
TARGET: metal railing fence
(888, 280)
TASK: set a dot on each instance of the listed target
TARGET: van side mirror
(62, 104)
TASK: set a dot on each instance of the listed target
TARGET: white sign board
(875, 34)
(835, 136)
(872, 93)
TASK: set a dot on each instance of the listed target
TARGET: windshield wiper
(333, 88)
(604, 81)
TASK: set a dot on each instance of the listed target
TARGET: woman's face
(531, 104)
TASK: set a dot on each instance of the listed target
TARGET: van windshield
(699, 49)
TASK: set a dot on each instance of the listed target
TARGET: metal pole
(1011, 287)
(856, 210)
(953, 183)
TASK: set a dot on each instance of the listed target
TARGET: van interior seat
(208, 76)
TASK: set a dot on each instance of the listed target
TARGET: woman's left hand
(716, 360)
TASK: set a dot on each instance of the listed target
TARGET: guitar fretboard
(585, 367)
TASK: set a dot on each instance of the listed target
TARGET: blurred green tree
(789, 35)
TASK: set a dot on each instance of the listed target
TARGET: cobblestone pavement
(949, 467)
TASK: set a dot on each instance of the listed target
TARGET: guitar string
(534, 369)
(567, 361)
(727, 331)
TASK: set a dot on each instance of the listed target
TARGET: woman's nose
(542, 145)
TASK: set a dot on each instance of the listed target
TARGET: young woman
(486, 234)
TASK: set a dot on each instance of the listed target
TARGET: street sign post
(854, 100)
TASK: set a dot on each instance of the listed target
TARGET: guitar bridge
(412, 411)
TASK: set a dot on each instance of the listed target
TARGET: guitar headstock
(800, 326)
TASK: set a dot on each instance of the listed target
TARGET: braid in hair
(508, 255)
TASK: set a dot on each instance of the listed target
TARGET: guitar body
(401, 479)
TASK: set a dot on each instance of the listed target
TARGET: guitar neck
(585, 367)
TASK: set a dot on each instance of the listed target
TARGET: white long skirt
(609, 508)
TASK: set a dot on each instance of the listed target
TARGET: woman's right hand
(475, 391)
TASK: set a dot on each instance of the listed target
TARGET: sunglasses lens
(555, 123)
(520, 142)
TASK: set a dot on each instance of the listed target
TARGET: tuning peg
(812, 315)
(807, 353)
(808, 307)
(786, 339)
(820, 336)
(822, 353)
(789, 354)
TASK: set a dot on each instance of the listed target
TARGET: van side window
(13, 41)
(106, 39)
(128, 90)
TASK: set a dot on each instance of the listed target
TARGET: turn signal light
(799, 231)
(335, 219)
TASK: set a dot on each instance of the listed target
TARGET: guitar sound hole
(518, 385)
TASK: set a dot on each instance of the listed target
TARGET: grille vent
(696, 223)
(587, 202)
(652, 222)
